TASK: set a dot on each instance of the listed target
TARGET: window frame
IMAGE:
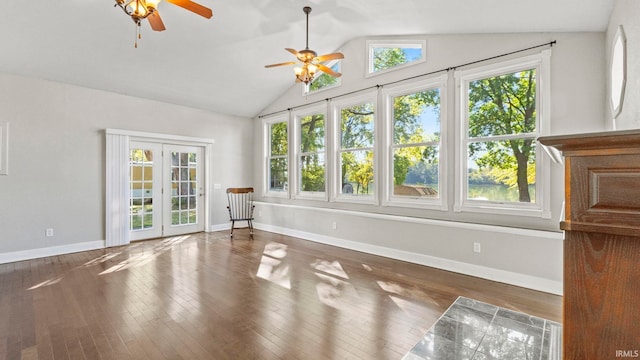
(297, 136)
(336, 149)
(541, 207)
(267, 123)
(397, 43)
(388, 94)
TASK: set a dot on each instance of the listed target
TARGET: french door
(166, 190)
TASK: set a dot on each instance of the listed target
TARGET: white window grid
(388, 94)
(541, 207)
(267, 124)
(336, 109)
(297, 179)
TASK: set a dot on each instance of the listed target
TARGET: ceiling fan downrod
(307, 10)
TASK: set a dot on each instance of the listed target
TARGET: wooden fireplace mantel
(601, 318)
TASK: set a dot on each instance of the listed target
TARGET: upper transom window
(387, 55)
(324, 81)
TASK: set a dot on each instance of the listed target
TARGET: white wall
(57, 159)
(531, 258)
(627, 14)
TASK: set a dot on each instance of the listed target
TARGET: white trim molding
(117, 190)
(50, 251)
(150, 137)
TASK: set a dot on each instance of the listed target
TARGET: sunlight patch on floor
(333, 268)
(101, 259)
(403, 296)
(333, 289)
(46, 283)
(409, 307)
(272, 268)
(144, 257)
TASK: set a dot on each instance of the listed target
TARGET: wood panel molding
(602, 243)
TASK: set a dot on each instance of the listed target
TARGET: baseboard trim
(219, 227)
(50, 251)
(507, 277)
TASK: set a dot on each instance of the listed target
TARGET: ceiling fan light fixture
(139, 10)
(310, 62)
(152, 3)
(305, 73)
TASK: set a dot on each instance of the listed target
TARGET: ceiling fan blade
(281, 64)
(193, 7)
(327, 57)
(293, 51)
(156, 21)
(328, 71)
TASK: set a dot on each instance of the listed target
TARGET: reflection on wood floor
(204, 296)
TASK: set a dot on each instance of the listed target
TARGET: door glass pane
(141, 189)
(183, 188)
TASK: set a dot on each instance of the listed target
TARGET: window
(277, 157)
(504, 111)
(323, 81)
(184, 172)
(141, 189)
(310, 137)
(386, 55)
(354, 123)
(492, 160)
(415, 133)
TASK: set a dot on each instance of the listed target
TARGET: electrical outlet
(259, 213)
(476, 247)
(334, 225)
(49, 232)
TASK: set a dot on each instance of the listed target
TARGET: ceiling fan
(309, 59)
(139, 10)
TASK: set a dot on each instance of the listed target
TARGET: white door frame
(168, 229)
(156, 196)
(117, 178)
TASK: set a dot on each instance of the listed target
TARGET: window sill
(498, 209)
(416, 203)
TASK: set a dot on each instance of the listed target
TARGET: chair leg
(232, 225)
(250, 226)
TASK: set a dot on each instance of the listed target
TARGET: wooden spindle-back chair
(240, 207)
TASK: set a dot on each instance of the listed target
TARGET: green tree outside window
(501, 131)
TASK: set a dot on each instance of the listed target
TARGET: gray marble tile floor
(474, 330)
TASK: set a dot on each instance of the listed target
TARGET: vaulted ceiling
(218, 64)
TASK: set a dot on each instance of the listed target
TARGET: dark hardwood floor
(203, 296)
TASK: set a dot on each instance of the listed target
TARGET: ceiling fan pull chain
(135, 45)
